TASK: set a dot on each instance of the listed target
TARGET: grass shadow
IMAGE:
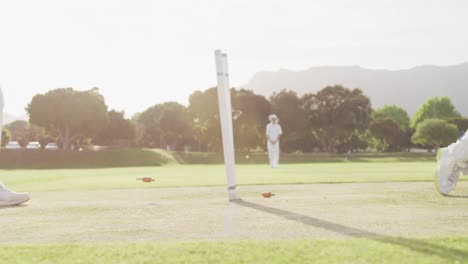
(12, 206)
(39, 160)
(412, 244)
(457, 196)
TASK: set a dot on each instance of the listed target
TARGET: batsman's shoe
(446, 176)
(8, 197)
(454, 174)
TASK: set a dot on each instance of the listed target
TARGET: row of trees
(335, 119)
(71, 118)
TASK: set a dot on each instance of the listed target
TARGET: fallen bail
(452, 161)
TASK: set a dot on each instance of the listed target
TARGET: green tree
(250, 118)
(204, 111)
(199, 131)
(434, 133)
(23, 132)
(37, 133)
(390, 135)
(119, 131)
(18, 131)
(175, 125)
(437, 107)
(392, 139)
(287, 106)
(357, 142)
(69, 114)
(204, 104)
(460, 122)
(5, 136)
(336, 114)
(148, 129)
(165, 124)
(395, 113)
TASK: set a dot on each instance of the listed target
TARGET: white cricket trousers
(458, 151)
(274, 154)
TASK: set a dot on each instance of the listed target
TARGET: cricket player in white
(7, 197)
(453, 161)
(273, 133)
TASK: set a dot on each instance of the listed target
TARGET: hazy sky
(142, 52)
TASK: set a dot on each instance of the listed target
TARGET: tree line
(335, 119)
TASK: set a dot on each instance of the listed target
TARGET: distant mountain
(8, 118)
(406, 88)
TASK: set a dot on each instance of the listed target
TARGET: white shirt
(273, 131)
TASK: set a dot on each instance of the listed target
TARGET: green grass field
(439, 250)
(33, 159)
(213, 175)
(30, 159)
(367, 210)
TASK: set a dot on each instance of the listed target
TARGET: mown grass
(368, 250)
(24, 159)
(88, 172)
(32, 159)
(214, 175)
(286, 158)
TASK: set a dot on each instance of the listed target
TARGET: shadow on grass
(412, 244)
(303, 158)
(12, 206)
(457, 196)
(38, 160)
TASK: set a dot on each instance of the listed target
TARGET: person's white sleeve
(459, 150)
(280, 131)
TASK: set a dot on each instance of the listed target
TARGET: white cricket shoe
(8, 198)
(447, 172)
(454, 174)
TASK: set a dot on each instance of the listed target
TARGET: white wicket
(225, 113)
